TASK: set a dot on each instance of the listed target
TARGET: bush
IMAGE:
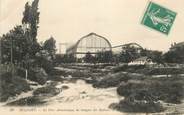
(165, 71)
(129, 68)
(55, 78)
(11, 86)
(138, 98)
(120, 68)
(47, 66)
(37, 75)
(132, 105)
(132, 86)
(46, 91)
(56, 72)
(169, 90)
(28, 101)
(112, 80)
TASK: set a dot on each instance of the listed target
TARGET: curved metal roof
(90, 34)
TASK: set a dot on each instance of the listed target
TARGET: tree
(128, 54)
(104, 57)
(89, 58)
(34, 18)
(175, 55)
(16, 39)
(50, 46)
(20, 45)
(30, 23)
(27, 15)
(31, 18)
(156, 56)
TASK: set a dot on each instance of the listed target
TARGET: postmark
(159, 18)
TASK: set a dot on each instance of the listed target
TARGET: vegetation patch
(28, 101)
(113, 80)
(12, 86)
(170, 90)
(146, 70)
(140, 106)
(47, 91)
(38, 75)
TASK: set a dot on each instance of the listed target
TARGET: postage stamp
(159, 18)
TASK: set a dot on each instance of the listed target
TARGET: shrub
(37, 75)
(80, 74)
(131, 105)
(56, 72)
(11, 86)
(46, 91)
(169, 90)
(165, 71)
(29, 101)
(120, 68)
(138, 98)
(112, 80)
(129, 68)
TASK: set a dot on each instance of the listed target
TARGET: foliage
(28, 101)
(38, 75)
(58, 59)
(112, 80)
(130, 104)
(31, 18)
(50, 46)
(104, 57)
(22, 39)
(89, 58)
(15, 40)
(175, 55)
(128, 54)
(46, 91)
(156, 56)
(12, 86)
(169, 90)
(68, 58)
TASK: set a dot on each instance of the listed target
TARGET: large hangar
(92, 43)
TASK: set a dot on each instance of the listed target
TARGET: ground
(83, 88)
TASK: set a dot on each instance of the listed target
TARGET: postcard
(90, 57)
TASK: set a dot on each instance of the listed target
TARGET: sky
(117, 20)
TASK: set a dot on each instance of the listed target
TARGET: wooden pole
(26, 74)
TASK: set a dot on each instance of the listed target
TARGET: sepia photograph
(90, 57)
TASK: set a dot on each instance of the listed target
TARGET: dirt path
(81, 95)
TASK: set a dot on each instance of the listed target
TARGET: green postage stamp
(159, 18)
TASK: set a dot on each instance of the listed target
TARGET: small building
(142, 61)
